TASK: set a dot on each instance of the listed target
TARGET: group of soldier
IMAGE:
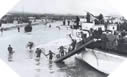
(39, 51)
(30, 46)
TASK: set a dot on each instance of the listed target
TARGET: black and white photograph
(63, 38)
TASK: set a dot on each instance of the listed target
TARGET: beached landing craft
(108, 53)
(100, 59)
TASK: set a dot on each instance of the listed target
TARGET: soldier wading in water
(11, 51)
(30, 46)
(50, 54)
(38, 54)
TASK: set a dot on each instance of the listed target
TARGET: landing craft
(105, 56)
(28, 28)
(98, 56)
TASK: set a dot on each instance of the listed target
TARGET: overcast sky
(65, 7)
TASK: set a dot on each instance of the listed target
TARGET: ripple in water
(74, 69)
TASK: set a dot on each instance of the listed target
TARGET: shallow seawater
(77, 68)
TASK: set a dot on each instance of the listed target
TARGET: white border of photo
(6, 5)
